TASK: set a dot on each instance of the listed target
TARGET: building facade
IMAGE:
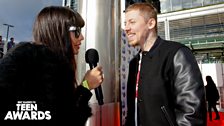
(199, 24)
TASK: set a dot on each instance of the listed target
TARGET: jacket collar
(153, 49)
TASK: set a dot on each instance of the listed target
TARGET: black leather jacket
(171, 90)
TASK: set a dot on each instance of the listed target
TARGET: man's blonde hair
(147, 10)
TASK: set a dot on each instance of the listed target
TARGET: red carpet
(216, 122)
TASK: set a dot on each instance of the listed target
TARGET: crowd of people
(1, 47)
(10, 44)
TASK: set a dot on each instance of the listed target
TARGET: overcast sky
(21, 14)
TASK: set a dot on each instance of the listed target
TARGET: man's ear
(151, 23)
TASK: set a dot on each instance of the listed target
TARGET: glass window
(176, 5)
(218, 1)
(180, 30)
(198, 28)
(186, 4)
(165, 6)
(161, 29)
(208, 2)
(214, 26)
(197, 3)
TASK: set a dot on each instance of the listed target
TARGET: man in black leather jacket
(165, 86)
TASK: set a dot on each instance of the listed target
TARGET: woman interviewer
(44, 71)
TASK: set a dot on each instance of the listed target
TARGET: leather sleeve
(189, 90)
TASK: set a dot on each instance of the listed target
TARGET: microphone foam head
(92, 56)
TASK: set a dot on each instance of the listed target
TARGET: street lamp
(5, 45)
(8, 25)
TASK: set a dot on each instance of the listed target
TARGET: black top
(32, 74)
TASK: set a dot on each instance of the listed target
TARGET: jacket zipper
(167, 116)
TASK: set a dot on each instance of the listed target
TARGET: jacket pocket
(167, 116)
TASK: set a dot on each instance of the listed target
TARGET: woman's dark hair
(51, 28)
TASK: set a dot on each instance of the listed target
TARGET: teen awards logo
(27, 110)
